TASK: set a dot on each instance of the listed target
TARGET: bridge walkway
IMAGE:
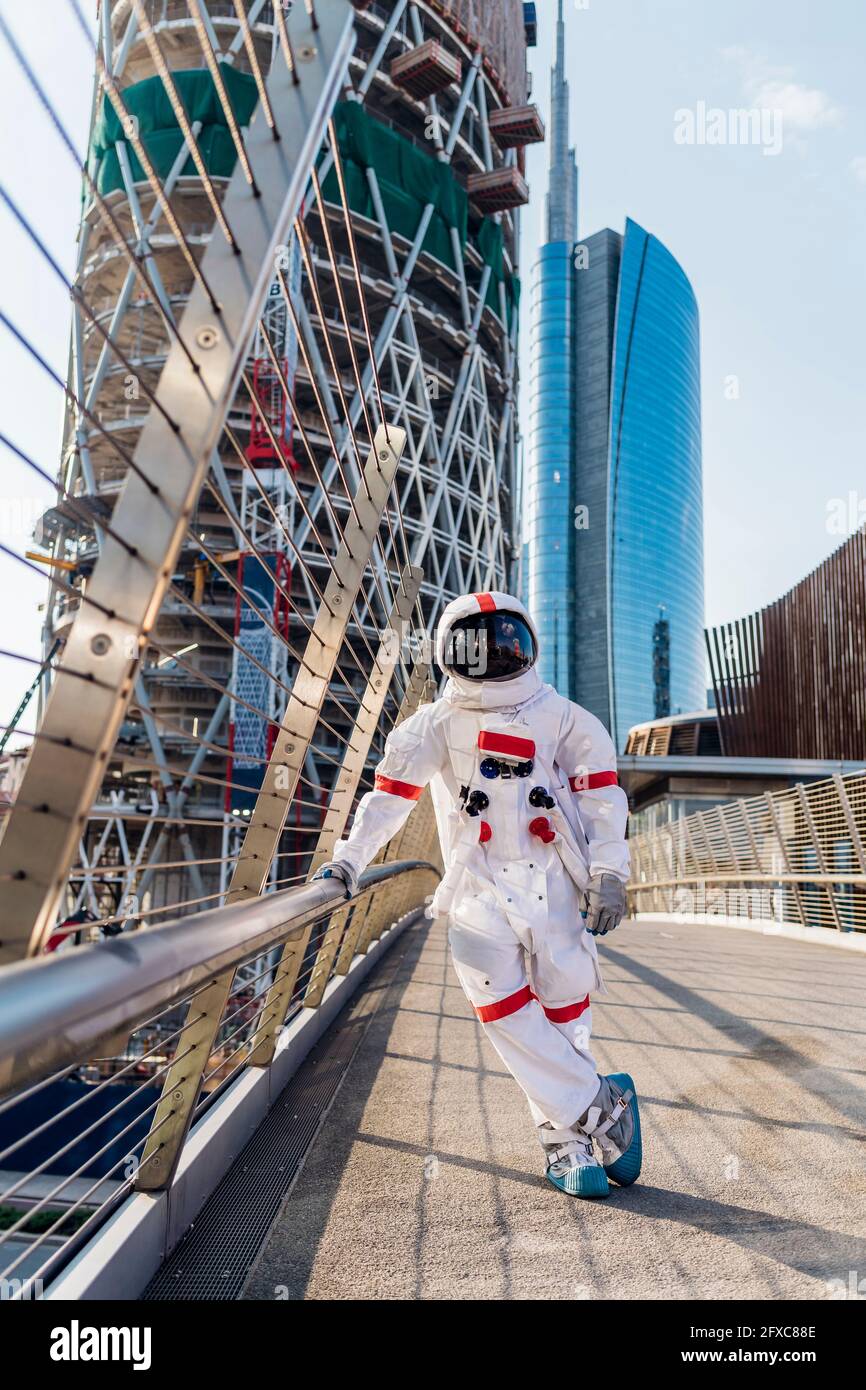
(748, 1052)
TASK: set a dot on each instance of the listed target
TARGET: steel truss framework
(149, 843)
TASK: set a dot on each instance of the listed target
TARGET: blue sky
(772, 244)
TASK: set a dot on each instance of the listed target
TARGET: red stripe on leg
(405, 789)
(489, 1013)
(568, 1012)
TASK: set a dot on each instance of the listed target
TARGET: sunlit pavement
(748, 1053)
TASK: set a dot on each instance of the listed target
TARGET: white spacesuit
(532, 827)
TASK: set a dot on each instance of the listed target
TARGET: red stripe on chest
(506, 745)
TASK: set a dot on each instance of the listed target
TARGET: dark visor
(489, 647)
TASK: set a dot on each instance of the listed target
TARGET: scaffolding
(388, 301)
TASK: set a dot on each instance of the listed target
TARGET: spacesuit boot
(571, 1163)
(613, 1123)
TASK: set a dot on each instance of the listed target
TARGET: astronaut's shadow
(825, 1084)
(808, 1249)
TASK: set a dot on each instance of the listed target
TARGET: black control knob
(540, 798)
(478, 801)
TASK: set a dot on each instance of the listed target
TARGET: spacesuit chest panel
(502, 765)
(504, 816)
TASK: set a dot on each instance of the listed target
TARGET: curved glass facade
(615, 436)
(655, 508)
(550, 530)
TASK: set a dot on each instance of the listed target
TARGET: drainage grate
(213, 1259)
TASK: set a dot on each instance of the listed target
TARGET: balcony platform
(426, 70)
(512, 127)
(498, 190)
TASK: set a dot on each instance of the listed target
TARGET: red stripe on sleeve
(588, 782)
(405, 789)
(485, 602)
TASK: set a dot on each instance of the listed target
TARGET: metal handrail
(56, 1011)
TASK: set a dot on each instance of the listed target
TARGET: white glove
(605, 903)
(342, 871)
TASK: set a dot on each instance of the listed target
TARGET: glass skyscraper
(549, 525)
(655, 506)
(614, 517)
(550, 529)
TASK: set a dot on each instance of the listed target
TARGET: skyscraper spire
(562, 188)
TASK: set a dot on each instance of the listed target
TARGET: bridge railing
(795, 856)
(89, 1036)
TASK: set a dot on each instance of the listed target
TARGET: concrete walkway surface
(749, 1054)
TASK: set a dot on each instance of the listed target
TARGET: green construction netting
(160, 134)
(408, 178)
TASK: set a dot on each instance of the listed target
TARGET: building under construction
(396, 297)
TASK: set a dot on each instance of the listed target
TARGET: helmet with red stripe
(486, 637)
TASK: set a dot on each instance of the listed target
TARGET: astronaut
(532, 827)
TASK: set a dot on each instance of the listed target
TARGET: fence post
(354, 760)
(850, 820)
(771, 807)
(819, 852)
(744, 816)
(359, 933)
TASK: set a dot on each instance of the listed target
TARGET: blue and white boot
(571, 1163)
(613, 1122)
